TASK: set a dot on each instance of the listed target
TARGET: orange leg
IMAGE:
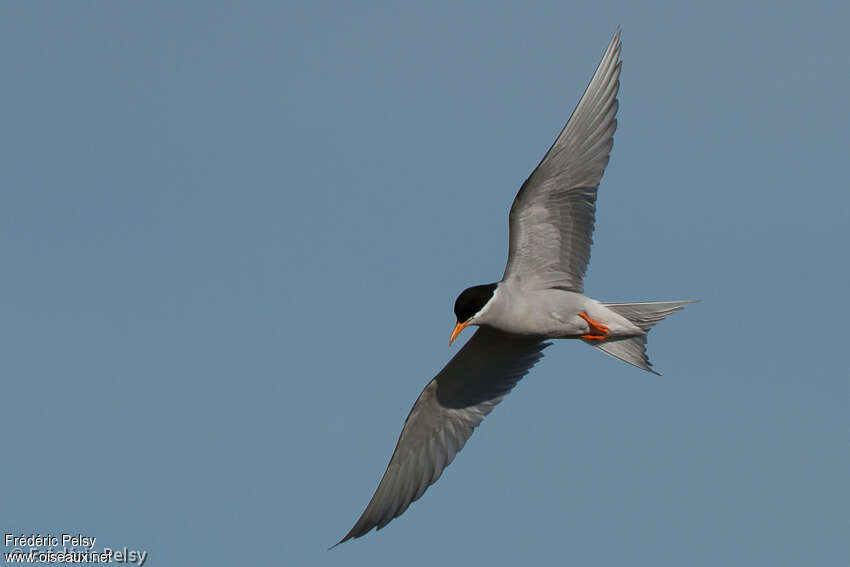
(595, 325)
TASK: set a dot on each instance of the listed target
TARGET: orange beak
(458, 328)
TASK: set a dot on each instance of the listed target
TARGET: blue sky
(232, 236)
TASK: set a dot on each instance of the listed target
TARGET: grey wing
(447, 411)
(552, 216)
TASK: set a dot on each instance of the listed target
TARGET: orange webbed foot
(594, 337)
(597, 326)
(604, 329)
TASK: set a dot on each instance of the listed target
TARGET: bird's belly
(543, 321)
(550, 327)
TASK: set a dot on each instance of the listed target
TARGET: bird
(540, 297)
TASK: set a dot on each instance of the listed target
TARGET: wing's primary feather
(444, 416)
(552, 216)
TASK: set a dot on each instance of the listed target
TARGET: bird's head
(469, 305)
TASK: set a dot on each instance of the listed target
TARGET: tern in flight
(539, 297)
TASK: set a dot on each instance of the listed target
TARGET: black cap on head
(472, 300)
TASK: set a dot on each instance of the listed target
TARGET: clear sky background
(232, 234)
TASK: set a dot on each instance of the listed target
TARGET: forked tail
(645, 315)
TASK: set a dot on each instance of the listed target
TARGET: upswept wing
(552, 216)
(444, 416)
